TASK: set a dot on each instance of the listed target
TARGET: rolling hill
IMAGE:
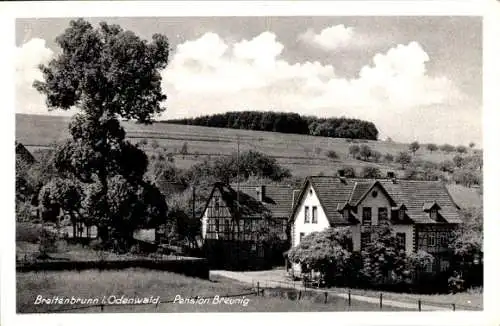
(302, 154)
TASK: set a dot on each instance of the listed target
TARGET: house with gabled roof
(422, 213)
(246, 226)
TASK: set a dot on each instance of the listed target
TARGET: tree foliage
(227, 168)
(432, 147)
(371, 172)
(327, 251)
(414, 146)
(287, 123)
(384, 259)
(404, 159)
(108, 74)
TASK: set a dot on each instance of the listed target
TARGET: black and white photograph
(248, 163)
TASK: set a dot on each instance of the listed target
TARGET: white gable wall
(309, 199)
(204, 219)
(374, 203)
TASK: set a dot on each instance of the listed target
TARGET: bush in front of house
(384, 259)
(327, 252)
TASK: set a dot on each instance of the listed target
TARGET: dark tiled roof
(334, 192)
(277, 198)
(331, 192)
(360, 188)
(415, 193)
(24, 154)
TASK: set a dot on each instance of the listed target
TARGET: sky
(416, 78)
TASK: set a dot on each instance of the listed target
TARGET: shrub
(447, 166)
(376, 155)
(332, 154)
(447, 148)
(388, 157)
(404, 159)
(135, 249)
(354, 150)
(432, 147)
(349, 172)
(459, 161)
(327, 252)
(461, 149)
(365, 151)
(456, 283)
(154, 144)
(413, 147)
(371, 172)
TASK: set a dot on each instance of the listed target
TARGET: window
(374, 194)
(444, 265)
(367, 216)
(429, 267)
(306, 214)
(301, 236)
(401, 214)
(314, 214)
(346, 213)
(433, 214)
(382, 214)
(431, 240)
(365, 239)
(401, 239)
(216, 225)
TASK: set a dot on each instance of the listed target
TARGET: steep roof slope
(334, 192)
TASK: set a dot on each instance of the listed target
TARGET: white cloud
(330, 38)
(210, 75)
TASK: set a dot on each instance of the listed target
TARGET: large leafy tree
(108, 74)
(327, 252)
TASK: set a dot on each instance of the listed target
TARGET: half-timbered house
(246, 227)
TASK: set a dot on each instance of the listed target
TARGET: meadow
(304, 155)
(146, 283)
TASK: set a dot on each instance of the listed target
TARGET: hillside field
(304, 155)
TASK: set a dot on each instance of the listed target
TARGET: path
(276, 278)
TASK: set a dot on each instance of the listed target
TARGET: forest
(286, 122)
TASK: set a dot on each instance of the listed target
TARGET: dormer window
(401, 214)
(346, 213)
(432, 208)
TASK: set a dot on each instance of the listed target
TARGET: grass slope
(145, 283)
(304, 155)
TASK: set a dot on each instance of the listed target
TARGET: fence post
(102, 307)
(453, 306)
(349, 297)
(419, 305)
(300, 294)
(380, 300)
(326, 297)
(258, 289)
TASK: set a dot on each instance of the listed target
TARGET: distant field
(146, 283)
(304, 155)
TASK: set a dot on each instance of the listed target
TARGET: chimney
(341, 173)
(390, 175)
(261, 192)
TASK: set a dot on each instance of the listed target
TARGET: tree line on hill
(286, 122)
